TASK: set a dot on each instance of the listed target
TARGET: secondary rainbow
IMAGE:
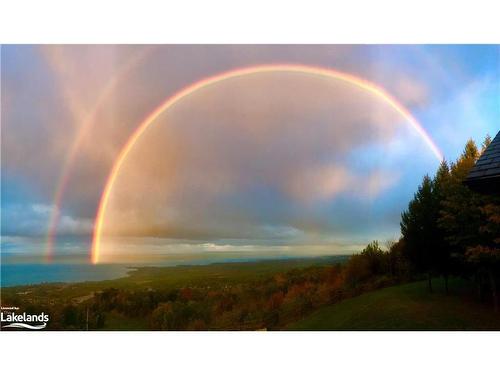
(172, 100)
(87, 123)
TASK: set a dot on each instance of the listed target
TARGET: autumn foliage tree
(460, 216)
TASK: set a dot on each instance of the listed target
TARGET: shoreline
(128, 269)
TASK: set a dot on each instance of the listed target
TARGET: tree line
(270, 302)
(450, 230)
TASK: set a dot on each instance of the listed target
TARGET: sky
(275, 161)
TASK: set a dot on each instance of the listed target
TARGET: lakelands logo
(11, 319)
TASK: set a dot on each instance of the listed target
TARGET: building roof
(485, 175)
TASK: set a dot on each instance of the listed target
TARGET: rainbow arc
(213, 80)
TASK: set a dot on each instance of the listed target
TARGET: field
(406, 307)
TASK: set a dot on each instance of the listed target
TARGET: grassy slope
(406, 307)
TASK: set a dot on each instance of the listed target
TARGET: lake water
(23, 273)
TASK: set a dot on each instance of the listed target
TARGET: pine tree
(441, 184)
(420, 231)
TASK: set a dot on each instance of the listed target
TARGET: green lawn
(406, 307)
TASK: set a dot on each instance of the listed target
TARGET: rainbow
(187, 91)
(87, 123)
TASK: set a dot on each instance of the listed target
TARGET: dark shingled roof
(485, 175)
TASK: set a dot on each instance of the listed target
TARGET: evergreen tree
(443, 258)
(420, 231)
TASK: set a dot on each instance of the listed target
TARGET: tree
(419, 229)
(376, 257)
(486, 143)
(471, 223)
(441, 183)
(486, 261)
(485, 257)
(398, 264)
(357, 270)
(460, 216)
